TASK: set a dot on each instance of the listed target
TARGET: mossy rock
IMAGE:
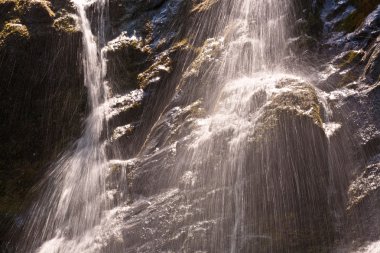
(28, 11)
(302, 44)
(13, 33)
(127, 58)
(288, 173)
(349, 58)
(300, 101)
(203, 5)
(209, 52)
(38, 11)
(162, 65)
(66, 23)
(372, 70)
(154, 73)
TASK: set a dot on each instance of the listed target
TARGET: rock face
(42, 96)
(308, 174)
(285, 209)
(352, 78)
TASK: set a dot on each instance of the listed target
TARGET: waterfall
(253, 165)
(73, 201)
(250, 67)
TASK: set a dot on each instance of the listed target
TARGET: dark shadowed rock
(42, 97)
(127, 57)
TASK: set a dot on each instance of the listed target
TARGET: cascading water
(238, 181)
(75, 196)
(268, 187)
(249, 70)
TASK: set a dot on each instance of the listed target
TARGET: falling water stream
(75, 198)
(75, 213)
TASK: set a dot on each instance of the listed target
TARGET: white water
(75, 199)
(254, 37)
(79, 219)
(239, 106)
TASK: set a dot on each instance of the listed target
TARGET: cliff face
(351, 78)
(42, 97)
(161, 56)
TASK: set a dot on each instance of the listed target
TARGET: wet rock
(349, 58)
(122, 11)
(125, 109)
(154, 73)
(149, 19)
(301, 44)
(362, 109)
(358, 16)
(372, 69)
(161, 41)
(203, 5)
(208, 53)
(360, 34)
(271, 225)
(309, 18)
(66, 23)
(14, 33)
(347, 69)
(364, 206)
(118, 184)
(123, 117)
(364, 186)
(127, 57)
(289, 164)
(175, 124)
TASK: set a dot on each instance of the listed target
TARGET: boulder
(288, 175)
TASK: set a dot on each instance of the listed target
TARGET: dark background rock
(42, 100)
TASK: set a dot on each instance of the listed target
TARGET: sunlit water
(75, 197)
(75, 202)
(75, 213)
